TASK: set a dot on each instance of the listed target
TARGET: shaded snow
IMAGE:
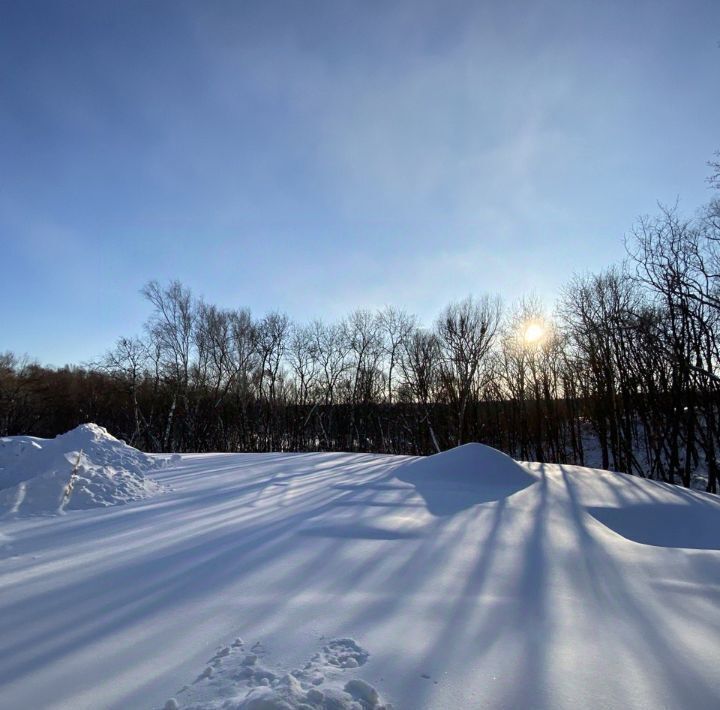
(463, 581)
(35, 473)
(692, 523)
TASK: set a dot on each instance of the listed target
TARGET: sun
(533, 333)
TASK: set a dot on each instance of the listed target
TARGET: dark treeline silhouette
(623, 375)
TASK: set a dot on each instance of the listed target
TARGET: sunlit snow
(463, 580)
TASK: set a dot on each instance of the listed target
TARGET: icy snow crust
(463, 580)
(34, 472)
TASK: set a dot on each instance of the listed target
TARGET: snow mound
(106, 472)
(239, 679)
(467, 475)
(474, 463)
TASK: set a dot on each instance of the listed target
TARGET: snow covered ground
(463, 580)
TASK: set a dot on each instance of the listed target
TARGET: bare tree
(303, 358)
(466, 332)
(170, 329)
(128, 361)
(396, 325)
(420, 365)
(362, 334)
(272, 336)
(332, 353)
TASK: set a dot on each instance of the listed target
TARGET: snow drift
(459, 478)
(35, 473)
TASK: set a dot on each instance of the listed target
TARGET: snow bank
(35, 473)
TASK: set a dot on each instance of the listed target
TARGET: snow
(238, 679)
(461, 580)
(467, 475)
(35, 473)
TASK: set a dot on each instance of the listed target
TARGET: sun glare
(533, 333)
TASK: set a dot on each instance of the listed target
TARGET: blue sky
(320, 156)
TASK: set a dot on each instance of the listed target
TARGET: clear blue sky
(320, 156)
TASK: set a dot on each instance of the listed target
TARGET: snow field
(464, 580)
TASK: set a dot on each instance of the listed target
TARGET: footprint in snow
(239, 675)
(344, 653)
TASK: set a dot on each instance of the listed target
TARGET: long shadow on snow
(648, 631)
(189, 566)
(508, 569)
(506, 595)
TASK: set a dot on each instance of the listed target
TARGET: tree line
(623, 374)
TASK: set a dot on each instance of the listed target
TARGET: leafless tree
(466, 331)
(396, 325)
(420, 366)
(170, 329)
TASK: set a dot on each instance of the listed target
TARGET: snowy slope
(459, 581)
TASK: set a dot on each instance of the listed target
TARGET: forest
(622, 374)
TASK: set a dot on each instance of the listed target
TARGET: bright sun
(534, 332)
